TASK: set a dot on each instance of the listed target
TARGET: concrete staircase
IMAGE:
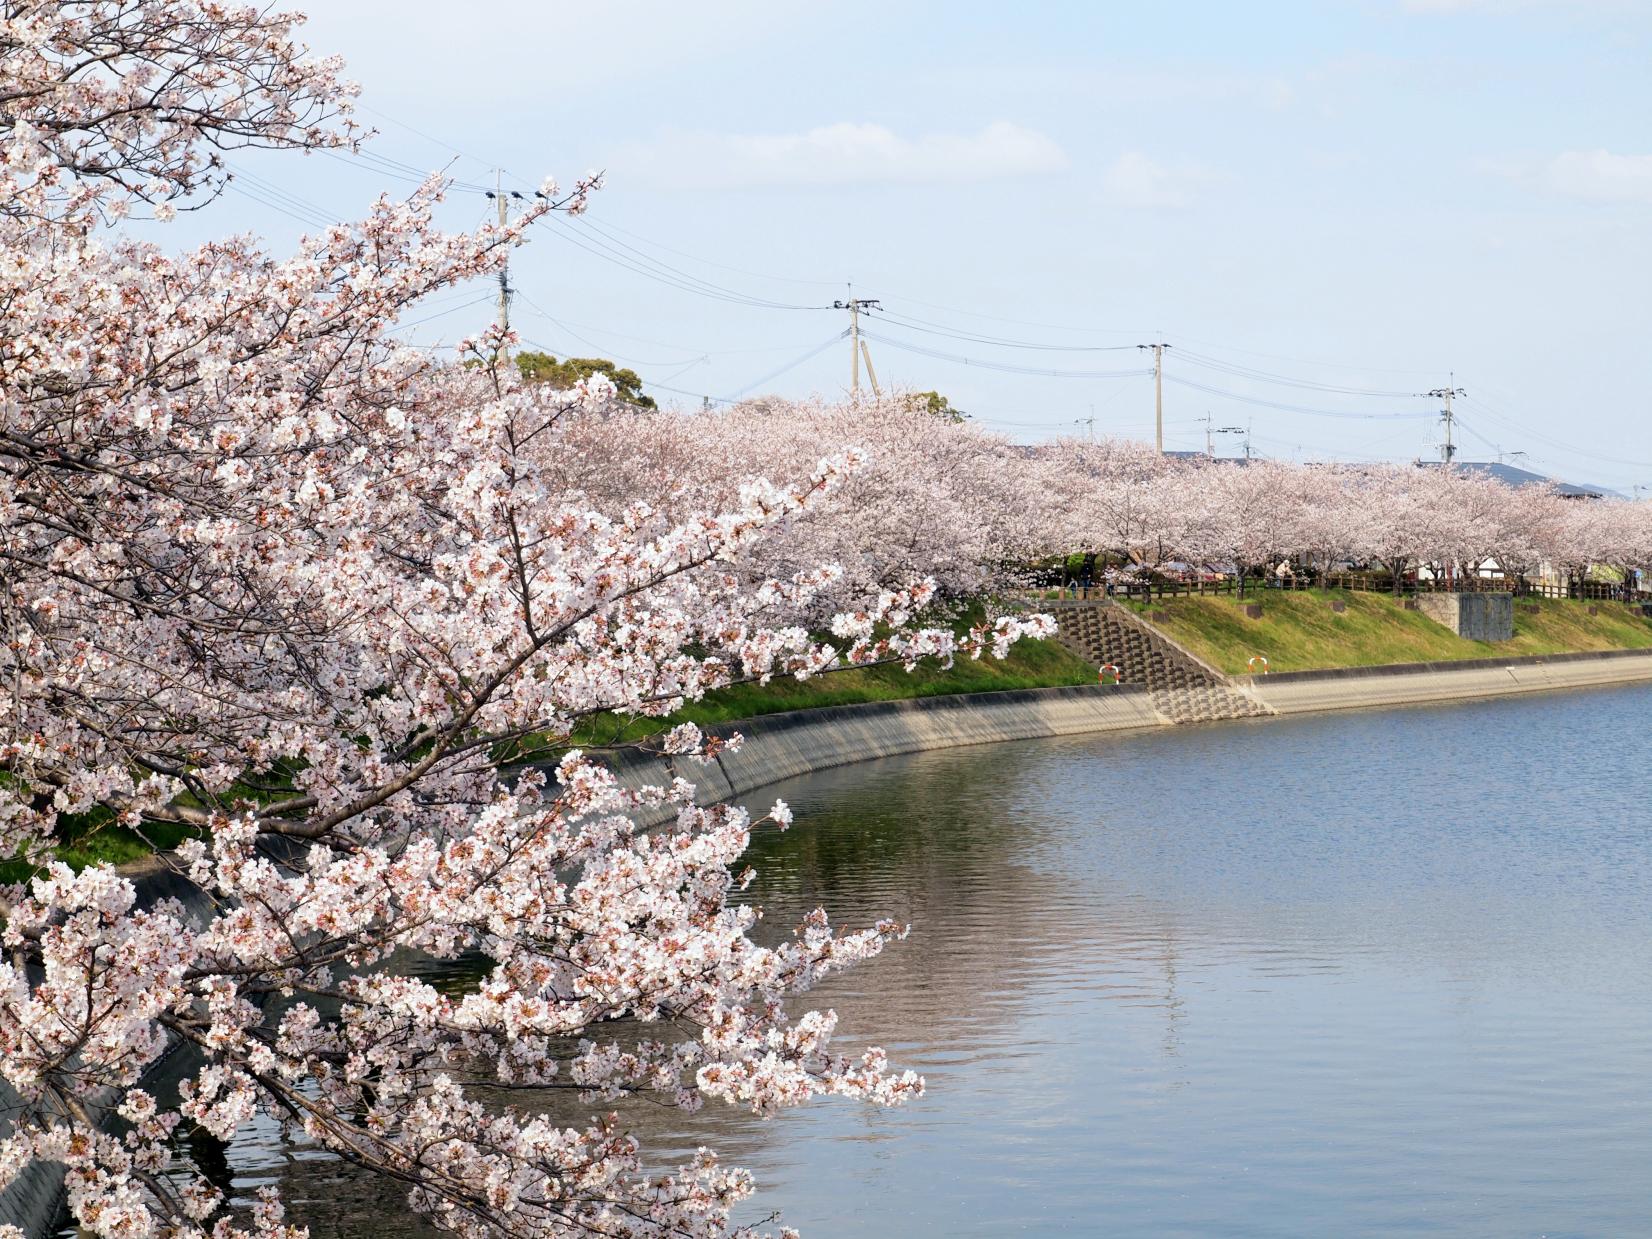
(1183, 689)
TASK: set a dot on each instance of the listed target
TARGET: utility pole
(504, 313)
(1089, 423)
(1158, 393)
(857, 346)
(1212, 431)
(1448, 449)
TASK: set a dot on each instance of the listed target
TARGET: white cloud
(1459, 6)
(1137, 180)
(1506, 6)
(1601, 176)
(840, 154)
(1592, 176)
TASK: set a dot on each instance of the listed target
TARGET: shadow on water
(1381, 973)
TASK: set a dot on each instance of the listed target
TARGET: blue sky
(1369, 195)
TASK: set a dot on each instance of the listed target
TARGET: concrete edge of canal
(1422, 683)
(782, 746)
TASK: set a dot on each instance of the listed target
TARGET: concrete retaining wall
(1353, 688)
(1476, 616)
(780, 746)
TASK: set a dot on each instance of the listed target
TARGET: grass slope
(1030, 664)
(1298, 631)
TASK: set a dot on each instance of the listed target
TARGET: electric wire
(535, 308)
(789, 366)
(1264, 376)
(1005, 367)
(666, 268)
(721, 266)
(1554, 444)
(1290, 408)
(729, 296)
(935, 329)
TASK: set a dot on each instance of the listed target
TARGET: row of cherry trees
(973, 510)
(1126, 499)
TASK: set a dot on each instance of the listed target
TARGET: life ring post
(1106, 670)
(1251, 665)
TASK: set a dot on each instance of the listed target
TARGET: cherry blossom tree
(936, 498)
(278, 582)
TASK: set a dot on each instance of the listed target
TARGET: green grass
(85, 840)
(1030, 664)
(1298, 631)
(94, 837)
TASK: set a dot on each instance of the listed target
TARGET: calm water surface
(1376, 974)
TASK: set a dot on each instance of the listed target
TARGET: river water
(1379, 973)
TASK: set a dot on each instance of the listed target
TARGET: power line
(791, 365)
(1264, 376)
(683, 283)
(1004, 367)
(690, 277)
(1289, 408)
(780, 279)
(933, 329)
(1556, 444)
(538, 309)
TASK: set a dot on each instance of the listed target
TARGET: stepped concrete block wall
(1183, 688)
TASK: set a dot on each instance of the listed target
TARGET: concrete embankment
(1354, 688)
(779, 746)
(782, 746)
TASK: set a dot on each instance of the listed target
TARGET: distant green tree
(934, 403)
(543, 368)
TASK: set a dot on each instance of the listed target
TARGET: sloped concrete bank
(1354, 688)
(782, 746)
(779, 746)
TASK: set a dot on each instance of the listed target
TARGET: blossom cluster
(279, 583)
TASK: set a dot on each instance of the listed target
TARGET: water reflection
(1378, 974)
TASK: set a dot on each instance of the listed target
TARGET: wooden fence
(1150, 589)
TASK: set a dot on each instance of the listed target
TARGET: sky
(1325, 209)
